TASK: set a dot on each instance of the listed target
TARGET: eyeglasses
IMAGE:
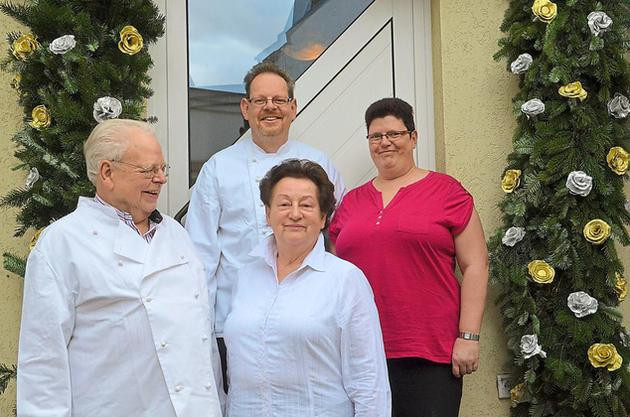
(148, 172)
(278, 101)
(391, 135)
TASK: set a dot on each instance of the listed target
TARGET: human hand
(465, 358)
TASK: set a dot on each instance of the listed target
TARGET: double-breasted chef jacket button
(178, 388)
(208, 386)
(94, 232)
(148, 299)
(120, 263)
(204, 337)
(196, 295)
(163, 344)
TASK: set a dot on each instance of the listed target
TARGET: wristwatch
(468, 336)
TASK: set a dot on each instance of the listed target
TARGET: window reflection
(226, 38)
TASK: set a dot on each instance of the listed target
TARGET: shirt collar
(267, 251)
(128, 219)
(258, 151)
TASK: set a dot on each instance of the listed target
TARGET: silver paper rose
(62, 44)
(598, 22)
(619, 106)
(533, 107)
(581, 304)
(106, 108)
(31, 178)
(579, 183)
(530, 346)
(513, 235)
(521, 64)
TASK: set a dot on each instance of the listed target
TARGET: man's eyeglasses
(277, 101)
(391, 135)
(148, 172)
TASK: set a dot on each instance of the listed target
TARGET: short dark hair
(390, 106)
(301, 168)
(264, 67)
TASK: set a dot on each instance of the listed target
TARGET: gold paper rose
(516, 394)
(511, 180)
(15, 82)
(41, 117)
(130, 41)
(618, 160)
(23, 46)
(573, 90)
(597, 231)
(604, 355)
(541, 272)
(545, 10)
(35, 238)
(621, 286)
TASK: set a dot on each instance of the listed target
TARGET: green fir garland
(554, 259)
(58, 86)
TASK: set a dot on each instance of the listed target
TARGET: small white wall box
(504, 384)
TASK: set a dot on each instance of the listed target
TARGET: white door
(385, 52)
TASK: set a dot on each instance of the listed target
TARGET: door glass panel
(226, 38)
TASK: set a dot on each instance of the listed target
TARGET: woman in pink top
(405, 229)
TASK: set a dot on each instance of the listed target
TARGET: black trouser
(223, 356)
(421, 388)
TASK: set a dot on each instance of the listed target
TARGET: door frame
(411, 49)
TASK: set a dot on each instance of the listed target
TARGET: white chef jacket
(310, 346)
(113, 326)
(226, 218)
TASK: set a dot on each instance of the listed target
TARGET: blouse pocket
(413, 223)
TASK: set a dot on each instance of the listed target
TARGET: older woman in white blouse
(303, 335)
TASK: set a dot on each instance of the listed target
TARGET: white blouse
(308, 346)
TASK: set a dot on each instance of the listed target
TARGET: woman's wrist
(468, 336)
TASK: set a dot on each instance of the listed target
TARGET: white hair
(108, 141)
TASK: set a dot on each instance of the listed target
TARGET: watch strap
(468, 336)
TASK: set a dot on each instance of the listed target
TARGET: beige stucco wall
(474, 127)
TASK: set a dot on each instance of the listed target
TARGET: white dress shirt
(226, 218)
(113, 326)
(309, 346)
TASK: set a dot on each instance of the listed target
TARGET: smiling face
(127, 188)
(389, 155)
(269, 122)
(294, 213)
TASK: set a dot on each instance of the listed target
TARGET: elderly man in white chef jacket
(116, 320)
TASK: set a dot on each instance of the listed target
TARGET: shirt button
(182, 257)
(196, 295)
(120, 263)
(254, 160)
(178, 388)
(148, 299)
(94, 232)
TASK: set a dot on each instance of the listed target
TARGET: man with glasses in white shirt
(116, 319)
(226, 218)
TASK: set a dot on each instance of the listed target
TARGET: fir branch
(7, 373)
(15, 264)
(18, 12)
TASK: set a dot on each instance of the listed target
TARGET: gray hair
(108, 141)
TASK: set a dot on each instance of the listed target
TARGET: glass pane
(227, 38)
